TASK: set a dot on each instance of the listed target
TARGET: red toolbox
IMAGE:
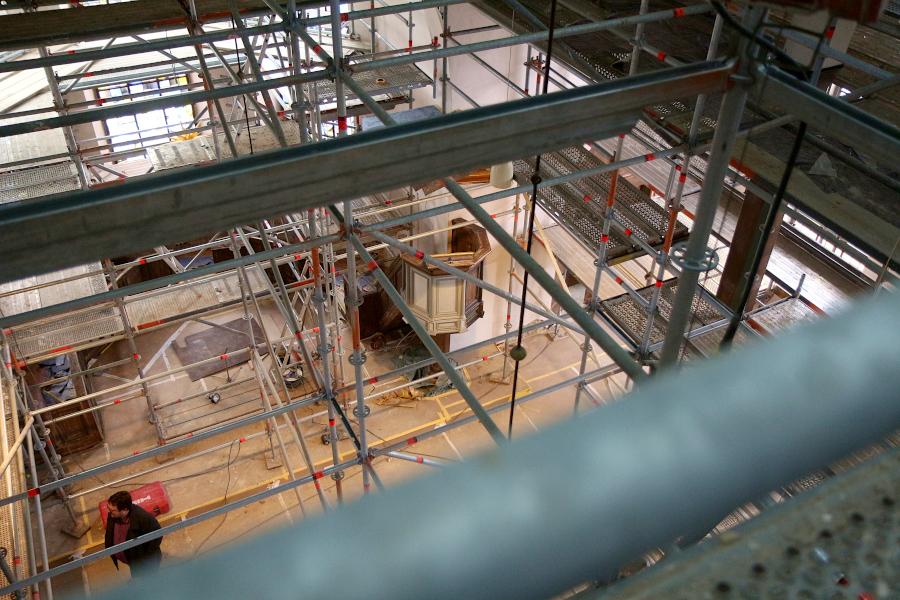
(151, 497)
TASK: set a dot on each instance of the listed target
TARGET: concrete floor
(205, 481)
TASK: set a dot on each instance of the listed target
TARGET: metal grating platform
(580, 205)
(179, 154)
(841, 541)
(60, 334)
(204, 294)
(632, 318)
(24, 184)
(388, 80)
(92, 325)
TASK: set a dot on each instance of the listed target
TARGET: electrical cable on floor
(224, 499)
(518, 352)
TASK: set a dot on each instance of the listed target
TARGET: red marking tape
(331, 422)
(678, 12)
(34, 492)
(372, 265)
(682, 178)
(345, 17)
(649, 157)
(318, 475)
(604, 238)
(342, 123)
(411, 441)
(660, 56)
(242, 440)
(619, 280)
(223, 357)
(420, 255)
(373, 380)
(117, 401)
(659, 283)
(628, 231)
(136, 356)
(587, 198)
(317, 49)
(420, 459)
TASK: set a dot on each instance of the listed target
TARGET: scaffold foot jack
(76, 530)
(273, 461)
(498, 377)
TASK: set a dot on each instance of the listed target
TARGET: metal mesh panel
(838, 541)
(178, 300)
(70, 329)
(388, 80)
(24, 184)
(580, 204)
(632, 317)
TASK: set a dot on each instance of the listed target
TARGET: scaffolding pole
(696, 256)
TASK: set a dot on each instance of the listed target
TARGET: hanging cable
(518, 352)
(773, 214)
(240, 77)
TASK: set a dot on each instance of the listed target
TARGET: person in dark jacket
(128, 521)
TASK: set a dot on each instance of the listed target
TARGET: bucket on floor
(151, 497)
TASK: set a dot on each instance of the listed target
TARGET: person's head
(119, 505)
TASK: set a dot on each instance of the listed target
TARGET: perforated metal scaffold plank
(155, 308)
(89, 326)
(840, 541)
(385, 80)
(632, 317)
(580, 205)
(34, 182)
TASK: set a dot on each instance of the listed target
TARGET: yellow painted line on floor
(550, 373)
(524, 390)
(444, 418)
(443, 409)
